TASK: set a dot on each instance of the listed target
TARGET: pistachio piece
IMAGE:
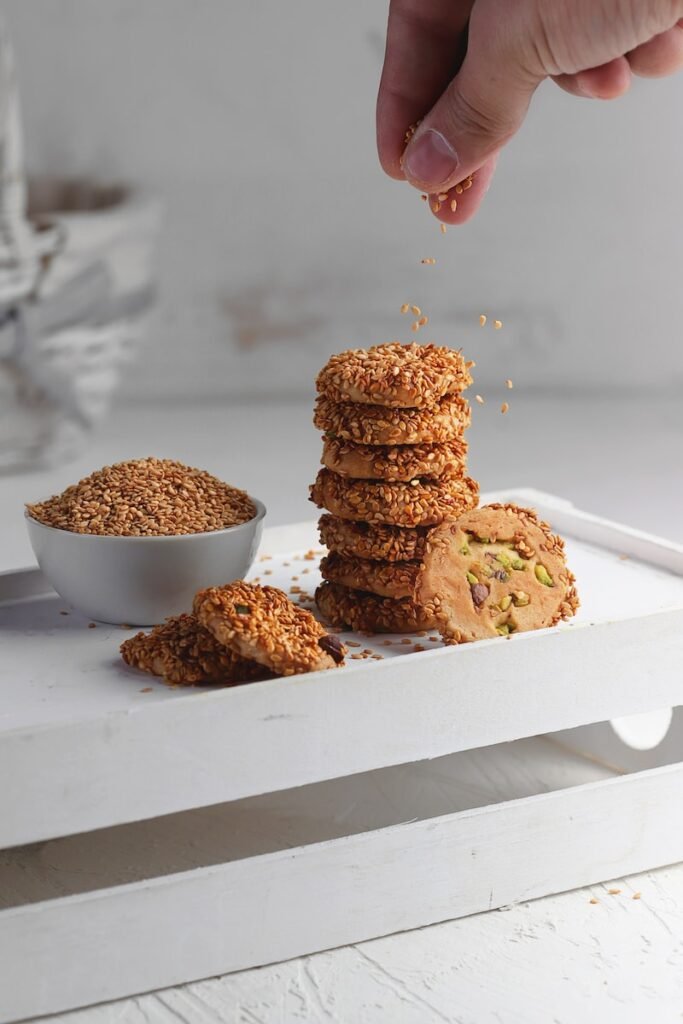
(471, 578)
(542, 575)
(505, 603)
(517, 563)
(520, 598)
(479, 593)
(503, 559)
(503, 630)
(464, 550)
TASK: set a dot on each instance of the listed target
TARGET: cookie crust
(395, 462)
(394, 375)
(368, 613)
(182, 652)
(380, 542)
(377, 425)
(419, 503)
(387, 579)
(262, 624)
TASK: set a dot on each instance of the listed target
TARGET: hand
(468, 69)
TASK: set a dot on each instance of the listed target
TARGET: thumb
(482, 108)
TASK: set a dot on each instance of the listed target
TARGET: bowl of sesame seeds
(133, 542)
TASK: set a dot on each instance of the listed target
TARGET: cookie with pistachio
(498, 570)
(263, 625)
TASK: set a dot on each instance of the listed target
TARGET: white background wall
(284, 241)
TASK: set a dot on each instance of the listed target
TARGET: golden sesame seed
(482, 319)
(416, 311)
(497, 324)
(443, 229)
(593, 900)
(405, 307)
(92, 625)
(479, 399)
(406, 640)
(442, 197)
(458, 189)
(614, 892)
(436, 207)
(508, 384)
(636, 896)
(415, 326)
(454, 205)
(423, 321)
(429, 261)
(504, 408)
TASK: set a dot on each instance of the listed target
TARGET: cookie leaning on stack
(394, 460)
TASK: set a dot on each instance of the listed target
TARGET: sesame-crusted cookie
(375, 424)
(262, 624)
(419, 503)
(388, 579)
(499, 570)
(368, 613)
(183, 652)
(395, 462)
(380, 542)
(394, 375)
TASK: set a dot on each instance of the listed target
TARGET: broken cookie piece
(263, 625)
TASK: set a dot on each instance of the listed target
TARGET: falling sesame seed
(416, 311)
(497, 324)
(482, 319)
(469, 364)
(423, 321)
(429, 261)
(504, 408)
(405, 307)
(443, 229)
(479, 399)
(415, 326)
(454, 205)
(508, 384)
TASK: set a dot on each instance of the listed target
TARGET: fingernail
(430, 159)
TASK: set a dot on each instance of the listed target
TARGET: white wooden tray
(416, 824)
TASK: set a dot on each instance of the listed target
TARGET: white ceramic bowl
(142, 580)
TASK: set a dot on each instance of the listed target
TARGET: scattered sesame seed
(416, 326)
(459, 189)
(92, 625)
(508, 384)
(352, 643)
(378, 657)
(593, 900)
(146, 689)
(267, 572)
(405, 307)
(636, 896)
(504, 408)
(435, 639)
(479, 399)
(423, 321)
(443, 229)
(406, 640)
(614, 892)
(442, 197)
(454, 205)
(428, 261)
(497, 324)
(416, 310)
(482, 319)
(436, 207)
(419, 647)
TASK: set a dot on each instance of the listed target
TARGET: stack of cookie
(394, 459)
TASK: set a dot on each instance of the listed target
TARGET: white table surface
(560, 959)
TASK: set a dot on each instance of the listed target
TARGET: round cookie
(388, 579)
(498, 570)
(377, 425)
(395, 462)
(183, 652)
(262, 624)
(419, 503)
(368, 613)
(380, 542)
(394, 375)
